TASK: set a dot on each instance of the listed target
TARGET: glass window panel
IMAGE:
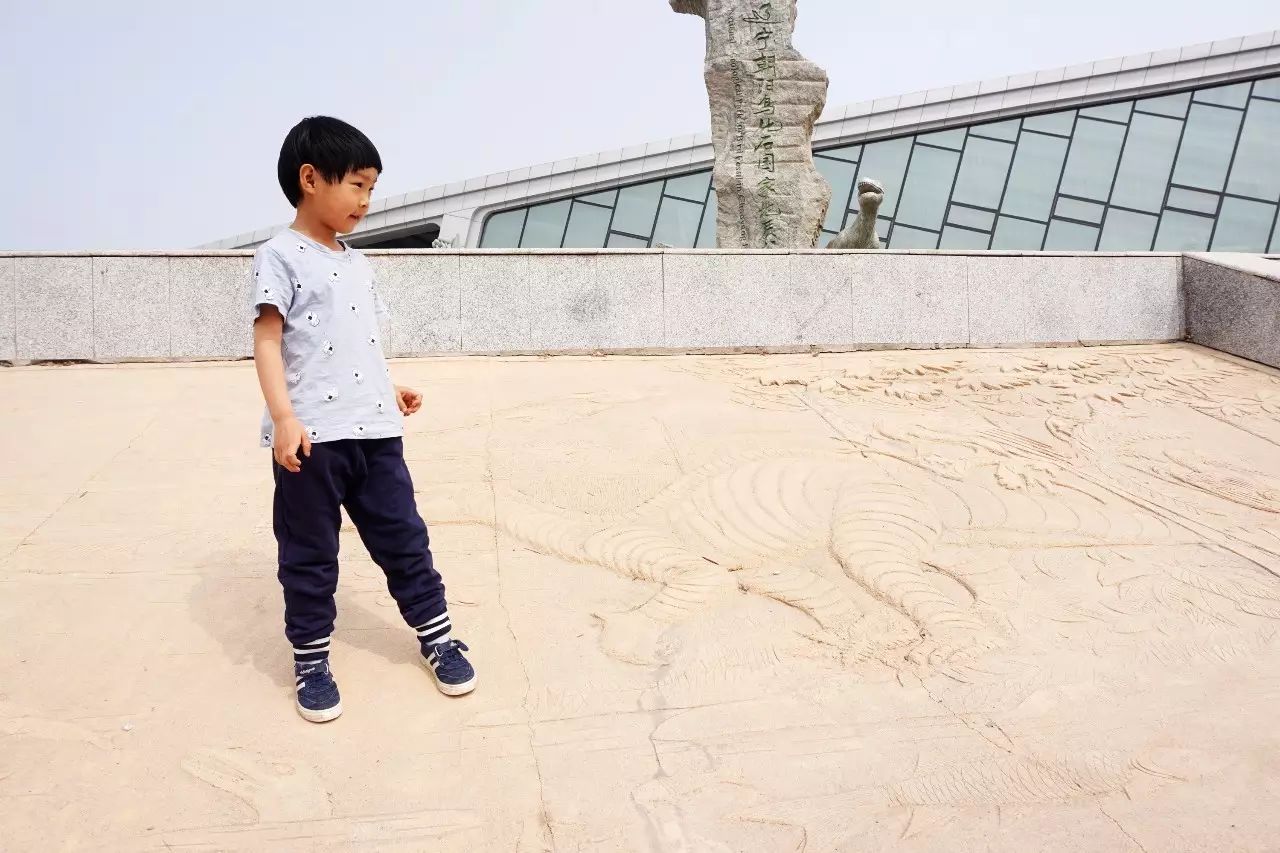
(1243, 226)
(1275, 238)
(924, 197)
(1267, 88)
(1174, 106)
(1257, 168)
(1017, 234)
(588, 227)
(848, 152)
(1207, 144)
(883, 227)
(707, 234)
(886, 162)
(973, 218)
(1125, 231)
(959, 238)
(824, 238)
(636, 208)
(1033, 180)
(678, 223)
(1070, 237)
(1145, 164)
(606, 198)
(840, 175)
(1059, 123)
(544, 229)
(1007, 130)
(1183, 232)
(953, 139)
(1073, 209)
(1227, 96)
(1110, 112)
(1193, 200)
(502, 230)
(903, 237)
(692, 187)
(983, 172)
(622, 241)
(1091, 163)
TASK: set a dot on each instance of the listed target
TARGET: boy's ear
(308, 177)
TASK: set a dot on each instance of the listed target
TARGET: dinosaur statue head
(870, 197)
(861, 233)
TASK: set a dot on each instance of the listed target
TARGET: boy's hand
(290, 436)
(409, 400)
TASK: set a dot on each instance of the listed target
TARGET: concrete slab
(1264, 266)
(935, 601)
(131, 308)
(755, 300)
(121, 307)
(495, 302)
(910, 300)
(1011, 302)
(209, 314)
(1130, 299)
(1233, 304)
(424, 298)
(55, 309)
(706, 304)
(8, 318)
(1068, 299)
(589, 302)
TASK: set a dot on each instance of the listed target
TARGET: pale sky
(156, 125)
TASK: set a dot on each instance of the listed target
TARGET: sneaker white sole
(449, 689)
(323, 715)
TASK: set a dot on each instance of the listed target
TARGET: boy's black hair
(331, 145)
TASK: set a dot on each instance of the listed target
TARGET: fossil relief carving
(939, 467)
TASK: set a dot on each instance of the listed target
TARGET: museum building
(1175, 150)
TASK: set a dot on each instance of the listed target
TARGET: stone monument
(861, 233)
(765, 98)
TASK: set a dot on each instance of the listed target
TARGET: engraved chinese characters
(765, 98)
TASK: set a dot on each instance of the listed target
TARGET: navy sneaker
(454, 675)
(318, 699)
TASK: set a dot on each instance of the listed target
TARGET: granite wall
(1233, 304)
(192, 306)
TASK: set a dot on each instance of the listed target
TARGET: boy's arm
(289, 433)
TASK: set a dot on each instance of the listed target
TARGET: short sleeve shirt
(337, 377)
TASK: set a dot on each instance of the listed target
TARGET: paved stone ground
(938, 601)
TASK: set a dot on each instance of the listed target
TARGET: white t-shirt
(337, 376)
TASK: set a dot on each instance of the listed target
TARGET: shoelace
(450, 654)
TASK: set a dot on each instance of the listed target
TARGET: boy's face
(340, 205)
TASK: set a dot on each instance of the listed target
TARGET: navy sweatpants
(369, 478)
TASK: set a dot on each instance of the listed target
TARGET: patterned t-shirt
(338, 380)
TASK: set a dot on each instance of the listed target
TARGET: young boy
(334, 420)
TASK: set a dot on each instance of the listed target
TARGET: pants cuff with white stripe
(313, 652)
(429, 634)
(435, 630)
